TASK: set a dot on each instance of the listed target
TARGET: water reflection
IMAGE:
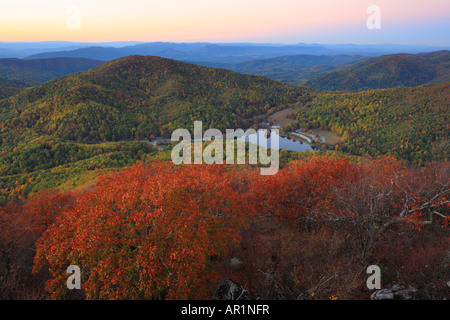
(284, 143)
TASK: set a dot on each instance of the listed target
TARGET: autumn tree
(149, 232)
(366, 198)
(384, 193)
(300, 188)
(334, 218)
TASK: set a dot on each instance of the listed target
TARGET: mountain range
(35, 71)
(340, 67)
(324, 72)
(388, 71)
(137, 96)
(224, 53)
(295, 69)
(94, 119)
(25, 49)
(70, 126)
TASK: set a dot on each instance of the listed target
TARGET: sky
(260, 21)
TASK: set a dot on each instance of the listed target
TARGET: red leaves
(147, 232)
(301, 187)
(150, 231)
(370, 196)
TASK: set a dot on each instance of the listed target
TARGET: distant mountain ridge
(195, 52)
(351, 73)
(35, 71)
(389, 71)
(25, 49)
(295, 69)
(225, 53)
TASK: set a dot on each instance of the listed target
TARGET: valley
(100, 115)
(363, 169)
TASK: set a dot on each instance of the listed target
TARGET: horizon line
(231, 42)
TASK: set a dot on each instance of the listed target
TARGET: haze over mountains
(295, 69)
(25, 49)
(229, 53)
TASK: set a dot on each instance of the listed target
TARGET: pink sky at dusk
(282, 21)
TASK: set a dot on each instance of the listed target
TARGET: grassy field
(85, 181)
(331, 137)
(281, 118)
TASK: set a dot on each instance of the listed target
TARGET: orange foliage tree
(153, 231)
(300, 188)
(366, 199)
(148, 232)
(321, 221)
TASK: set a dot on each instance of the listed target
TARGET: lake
(284, 143)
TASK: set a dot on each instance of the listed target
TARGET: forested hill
(389, 71)
(139, 96)
(36, 71)
(9, 88)
(57, 131)
(61, 132)
(409, 123)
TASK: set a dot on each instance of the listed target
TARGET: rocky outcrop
(395, 292)
(236, 264)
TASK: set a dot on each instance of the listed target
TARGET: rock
(230, 290)
(395, 288)
(383, 294)
(409, 293)
(395, 292)
(236, 264)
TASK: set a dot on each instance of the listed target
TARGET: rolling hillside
(398, 70)
(136, 96)
(295, 69)
(69, 127)
(37, 71)
(410, 123)
(64, 128)
(9, 88)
